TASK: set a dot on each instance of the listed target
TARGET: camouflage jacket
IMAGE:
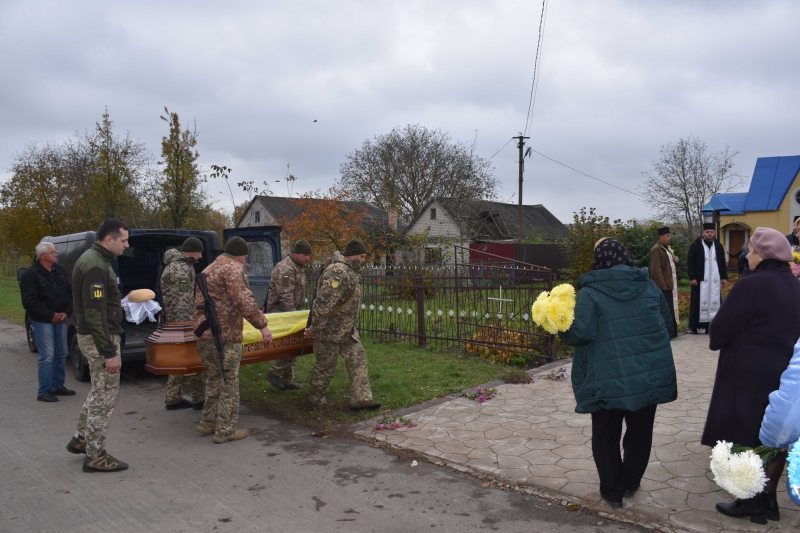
(177, 287)
(287, 288)
(96, 299)
(337, 285)
(229, 287)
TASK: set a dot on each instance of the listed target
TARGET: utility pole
(520, 145)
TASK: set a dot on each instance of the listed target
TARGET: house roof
(733, 203)
(772, 178)
(281, 209)
(486, 220)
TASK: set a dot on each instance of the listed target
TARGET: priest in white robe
(708, 273)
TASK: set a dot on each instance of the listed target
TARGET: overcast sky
(618, 79)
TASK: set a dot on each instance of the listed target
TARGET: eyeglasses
(48, 253)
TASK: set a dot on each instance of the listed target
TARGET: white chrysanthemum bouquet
(555, 310)
(739, 470)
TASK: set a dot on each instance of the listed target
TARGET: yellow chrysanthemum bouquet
(555, 310)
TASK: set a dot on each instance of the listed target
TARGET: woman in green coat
(622, 367)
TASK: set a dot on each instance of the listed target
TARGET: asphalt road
(280, 479)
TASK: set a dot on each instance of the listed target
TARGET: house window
(258, 216)
(797, 197)
(433, 214)
(433, 256)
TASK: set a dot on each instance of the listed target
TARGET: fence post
(421, 335)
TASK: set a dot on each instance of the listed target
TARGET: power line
(535, 67)
(587, 175)
(497, 152)
(538, 67)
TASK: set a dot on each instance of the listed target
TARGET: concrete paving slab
(536, 424)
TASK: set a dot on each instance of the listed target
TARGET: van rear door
(265, 252)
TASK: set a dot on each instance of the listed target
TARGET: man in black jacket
(708, 272)
(47, 297)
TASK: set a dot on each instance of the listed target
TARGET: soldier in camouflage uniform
(177, 287)
(333, 328)
(98, 321)
(287, 292)
(229, 288)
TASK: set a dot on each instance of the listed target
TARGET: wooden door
(736, 237)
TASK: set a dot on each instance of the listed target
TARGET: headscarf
(610, 252)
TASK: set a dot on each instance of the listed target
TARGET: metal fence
(481, 303)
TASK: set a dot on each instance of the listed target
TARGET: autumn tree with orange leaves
(325, 221)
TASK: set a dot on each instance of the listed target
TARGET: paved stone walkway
(530, 436)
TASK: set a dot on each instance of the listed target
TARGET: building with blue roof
(772, 201)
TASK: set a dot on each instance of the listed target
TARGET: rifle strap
(336, 311)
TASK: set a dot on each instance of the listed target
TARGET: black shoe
(752, 507)
(613, 503)
(630, 492)
(771, 504)
(183, 404)
(76, 445)
(293, 386)
(275, 381)
(369, 404)
(198, 406)
(63, 391)
(46, 397)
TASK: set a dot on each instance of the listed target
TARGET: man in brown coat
(229, 288)
(663, 272)
(287, 292)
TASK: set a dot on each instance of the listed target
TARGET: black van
(141, 266)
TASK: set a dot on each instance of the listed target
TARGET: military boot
(206, 428)
(76, 445)
(103, 463)
(239, 434)
(368, 404)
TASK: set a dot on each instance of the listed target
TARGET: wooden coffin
(172, 349)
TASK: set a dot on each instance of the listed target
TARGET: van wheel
(30, 335)
(80, 367)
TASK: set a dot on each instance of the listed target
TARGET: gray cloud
(618, 80)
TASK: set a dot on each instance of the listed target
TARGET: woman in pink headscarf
(755, 330)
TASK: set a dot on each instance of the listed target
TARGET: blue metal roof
(772, 178)
(715, 204)
(734, 201)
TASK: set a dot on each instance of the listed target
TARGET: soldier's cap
(354, 247)
(237, 246)
(301, 247)
(192, 244)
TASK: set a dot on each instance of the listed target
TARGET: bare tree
(685, 178)
(408, 166)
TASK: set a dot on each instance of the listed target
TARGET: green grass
(10, 301)
(400, 375)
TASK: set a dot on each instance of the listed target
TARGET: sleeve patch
(285, 280)
(246, 279)
(336, 281)
(97, 291)
(183, 285)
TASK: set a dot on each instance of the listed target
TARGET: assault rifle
(311, 308)
(210, 310)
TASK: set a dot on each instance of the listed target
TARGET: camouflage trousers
(222, 399)
(284, 369)
(194, 382)
(355, 360)
(102, 398)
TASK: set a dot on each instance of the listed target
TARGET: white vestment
(710, 286)
(674, 284)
